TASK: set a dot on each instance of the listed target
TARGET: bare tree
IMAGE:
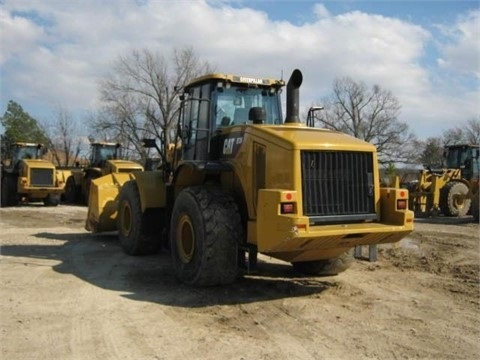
(64, 140)
(432, 154)
(468, 133)
(140, 95)
(370, 115)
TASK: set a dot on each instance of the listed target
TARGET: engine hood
(300, 137)
(37, 163)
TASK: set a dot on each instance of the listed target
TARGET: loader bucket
(103, 202)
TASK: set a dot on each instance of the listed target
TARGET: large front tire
(205, 232)
(138, 232)
(453, 200)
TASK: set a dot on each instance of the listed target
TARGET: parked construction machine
(450, 190)
(104, 159)
(29, 178)
(239, 180)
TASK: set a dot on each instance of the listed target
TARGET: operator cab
(465, 157)
(101, 152)
(214, 103)
(22, 151)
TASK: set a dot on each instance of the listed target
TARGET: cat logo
(228, 146)
(231, 144)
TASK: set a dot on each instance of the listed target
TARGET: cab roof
(236, 79)
(25, 144)
(104, 143)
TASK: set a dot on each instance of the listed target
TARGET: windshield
(233, 105)
(101, 153)
(27, 152)
(457, 156)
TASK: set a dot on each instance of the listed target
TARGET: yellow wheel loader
(104, 159)
(448, 191)
(28, 177)
(239, 180)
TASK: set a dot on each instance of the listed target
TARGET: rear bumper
(292, 238)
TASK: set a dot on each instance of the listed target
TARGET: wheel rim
(185, 239)
(126, 218)
(458, 201)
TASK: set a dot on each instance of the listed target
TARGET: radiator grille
(337, 186)
(41, 177)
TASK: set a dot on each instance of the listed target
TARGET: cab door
(197, 123)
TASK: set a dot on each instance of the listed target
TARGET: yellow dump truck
(239, 180)
(104, 159)
(27, 177)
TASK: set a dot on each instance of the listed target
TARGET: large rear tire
(138, 232)
(327, 267)
(205, 232)
(453, 201)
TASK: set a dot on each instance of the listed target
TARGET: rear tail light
(287, 208)
(401, 204)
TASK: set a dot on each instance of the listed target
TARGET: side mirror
(149, 143)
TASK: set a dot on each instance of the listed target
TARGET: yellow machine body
(450, 190)
(103, 161)
(28, 177)
(290, 237)
(302, 194)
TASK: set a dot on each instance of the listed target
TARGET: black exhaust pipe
(293, 97)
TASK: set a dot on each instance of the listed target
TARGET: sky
(53, 53)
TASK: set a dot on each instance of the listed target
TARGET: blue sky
(54, 52)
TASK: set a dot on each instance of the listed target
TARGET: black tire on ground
(205, 232)
(452, 199)
(5, 193)
(139, 233)
(9, 191)
(475, 207)
(326, 267)
(52, 200)
(72, 191)
(88, 185)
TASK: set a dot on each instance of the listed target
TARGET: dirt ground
(68, 294)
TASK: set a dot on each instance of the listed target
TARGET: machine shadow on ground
(99, 260)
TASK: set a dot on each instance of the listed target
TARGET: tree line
(139, 99)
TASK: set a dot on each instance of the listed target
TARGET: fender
(192, 173)
(152, 189)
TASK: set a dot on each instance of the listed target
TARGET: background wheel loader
(27, 177)
(104, 159)
(451, 190)
(239, 180)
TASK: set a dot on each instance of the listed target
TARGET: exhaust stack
(293, 96)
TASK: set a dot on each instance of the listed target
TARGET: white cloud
(321, 11)
(462, 52)
(19, 35)
(58, 55)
